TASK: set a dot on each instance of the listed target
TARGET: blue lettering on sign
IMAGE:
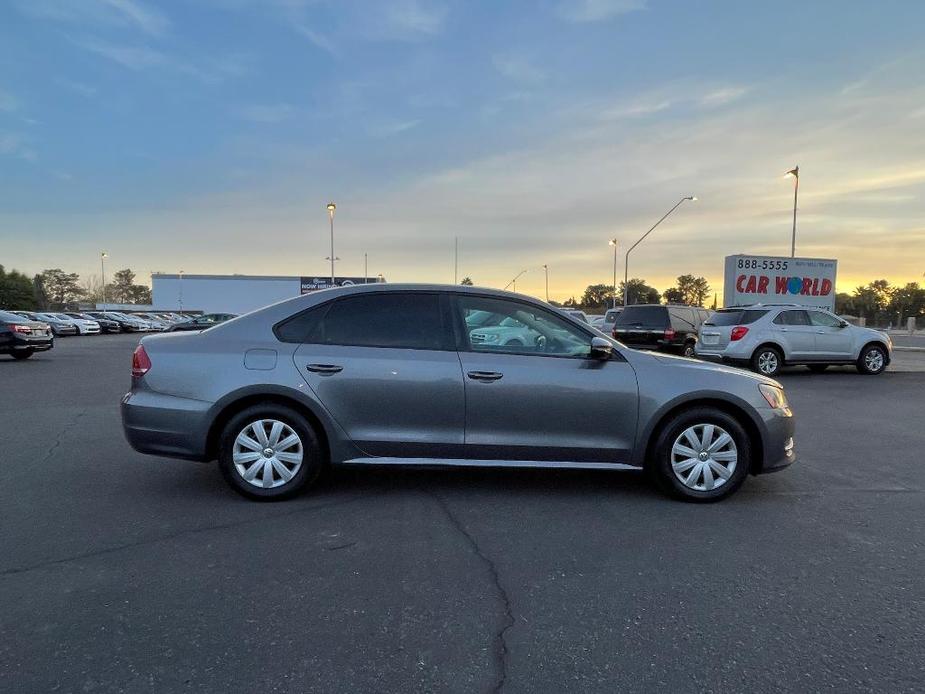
(794, 285)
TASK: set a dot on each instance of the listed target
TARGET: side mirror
(600, 348)
(843, 324)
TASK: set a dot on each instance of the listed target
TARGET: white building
(234, 293)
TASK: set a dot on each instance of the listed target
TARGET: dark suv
(665, 328)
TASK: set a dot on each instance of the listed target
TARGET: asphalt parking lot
(122, 572)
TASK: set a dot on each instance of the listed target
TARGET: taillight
(738, 333)
(669, 334)
(141, 364)
(25, 329)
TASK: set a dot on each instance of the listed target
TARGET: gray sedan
(374, 374)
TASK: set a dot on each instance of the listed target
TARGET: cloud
(266, 113)
(415, 18)
(132, 57)
(99, 13)
(394, 128)
(317, 39)
(597, 10)
(14, 145)
(518, 69)
(81, 88)
(8, 102)
(723, 96)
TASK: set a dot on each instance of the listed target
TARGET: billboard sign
(313, 284)
(762, 279)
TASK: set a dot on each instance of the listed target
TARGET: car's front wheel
(767, 361)
(269, 451)
(872, 360)
(702, 454)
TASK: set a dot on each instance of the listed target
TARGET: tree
(673, 295)
(871, 300)
(16, 290)
(123, 290)
(597, 297)
(639, 292)
(466, 282)
(60, 287)
(907, 302)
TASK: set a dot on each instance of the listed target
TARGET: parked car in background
(389, 374)
(610, 318)
(59, 328)
(152, 321)
(768, 337)
(106, 325)
(671, 328)
(85, 326)
(202, 322)
(580, 315)
(126, 323)
(22, 337)
(595, 321)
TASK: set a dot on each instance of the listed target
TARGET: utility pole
(103, 257)
(546, 268)
(613, 242)
(366, 268)
(456, 260)
(795, 172)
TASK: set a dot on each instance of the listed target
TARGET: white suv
(769, 337)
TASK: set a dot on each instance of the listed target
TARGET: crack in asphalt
(172, 536)
(502, 651)
(61, 432)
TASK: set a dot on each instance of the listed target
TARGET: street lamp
(180, 293)
(514, 281)
(103, 257)
(626, 262)
(795, 172)
(546, 268)
(331, 208)
(613, 242)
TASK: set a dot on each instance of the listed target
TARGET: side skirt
(465, 462)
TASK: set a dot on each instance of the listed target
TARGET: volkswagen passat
(374, 374)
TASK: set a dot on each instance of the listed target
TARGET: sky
(208, 136)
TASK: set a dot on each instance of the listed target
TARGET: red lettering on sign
(807, 285)
(739, 286)
(763, 281)
(826, 287)
(780, 285)
(750, 285)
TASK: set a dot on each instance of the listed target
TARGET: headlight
(774, 395)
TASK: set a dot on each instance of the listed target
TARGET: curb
(908, 349)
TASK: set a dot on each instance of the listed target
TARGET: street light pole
(331, 208)
(546, 268)
(455, 260)
(103, 257)
(514, 281)
(795, 172)
(613, 242)
(366, 268)
(626, 262)
(180, 293)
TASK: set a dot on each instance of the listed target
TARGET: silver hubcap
(267, 453)
(874, 360)
(767, 362)
(704, 457)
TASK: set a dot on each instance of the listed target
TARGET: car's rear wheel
(767, 361)
(818, 368)
(269, 451)
(872, 360)
(24, 354)
(689, 349)
(702, 454)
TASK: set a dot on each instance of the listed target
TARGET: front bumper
(165, 425)
(779, 450)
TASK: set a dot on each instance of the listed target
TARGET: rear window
(644, 316)
(735, 316)
(10, 317)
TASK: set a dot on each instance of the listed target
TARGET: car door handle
(784, 330)
(484, 375)
(325, 368)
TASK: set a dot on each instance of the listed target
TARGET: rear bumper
(165, 425)
(25, 343)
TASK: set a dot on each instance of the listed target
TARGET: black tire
(660, 463)
(688, 350)
(312, 452)
(818, 368)
(872, 360)
(763, 363)
(25, 354)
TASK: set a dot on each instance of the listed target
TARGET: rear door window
(792, 318)
(823, 320)
(397, 320)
